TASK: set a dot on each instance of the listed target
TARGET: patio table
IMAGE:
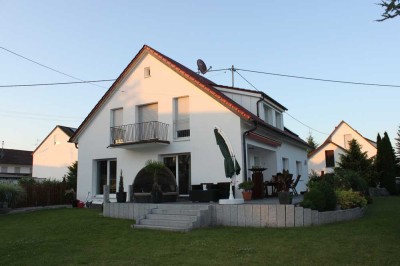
(271, 184)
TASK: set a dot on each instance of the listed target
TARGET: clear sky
(93, 40)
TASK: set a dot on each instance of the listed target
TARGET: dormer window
(268, 114)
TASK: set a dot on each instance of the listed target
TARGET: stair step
(176, 212)
(164, 228)
(171, 223)
(174, 217)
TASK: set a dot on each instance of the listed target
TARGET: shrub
(315, 200)
(11, 193)
(348, 179)
(329, 193)
(348, 199)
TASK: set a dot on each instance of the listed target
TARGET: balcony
(139, 135)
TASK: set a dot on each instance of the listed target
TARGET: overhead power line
(285, 112)
(319, 79)
(50, 68)
(55, 83)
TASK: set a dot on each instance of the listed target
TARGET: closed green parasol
(232, 167)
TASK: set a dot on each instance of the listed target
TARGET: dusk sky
(95, 40)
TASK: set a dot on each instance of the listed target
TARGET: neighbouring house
(54, 154)
(14, 165)
(159, 109)
(326, 157)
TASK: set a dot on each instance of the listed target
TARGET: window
(268, 114)
(147, 72)
(147, 115)
(329, 158)
(4, 169)
(17, 169)
(180, 166)
(182, 118)
(285, 163)
(106, 175)
(298, 168)
(118, 132)
(279, 120)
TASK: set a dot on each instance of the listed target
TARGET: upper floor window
(116, 117)
(181, 117)
(4, 169)
(329, 158)
(268, 115)
(279, 120)
(17, 170)
(147, 72)
(148, 113)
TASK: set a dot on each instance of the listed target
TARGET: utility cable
(310, 128)
(319, 79)
(55, 83)
(42, 65)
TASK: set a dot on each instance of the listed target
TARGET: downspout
(244, 147)
(258, 109)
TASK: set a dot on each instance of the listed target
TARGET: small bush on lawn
(314, 199)
(325, 186)
(348, 199)
(11, 193)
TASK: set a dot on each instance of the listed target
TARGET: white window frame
(176, 119)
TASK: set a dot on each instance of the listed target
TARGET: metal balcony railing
(139, 132)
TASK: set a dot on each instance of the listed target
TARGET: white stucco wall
(339, 138)
(317, 161)
(53, 156)
(162, 87)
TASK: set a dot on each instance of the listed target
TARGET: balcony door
(180, 165)
(146, 115)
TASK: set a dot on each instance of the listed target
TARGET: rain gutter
(244, 147)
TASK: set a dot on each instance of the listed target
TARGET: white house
(327, 155)
(53, 156)
(14, 165)
(159, 109)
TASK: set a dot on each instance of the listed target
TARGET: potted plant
(121, 194)
(154, 167)
(247, 187)
(284, 180)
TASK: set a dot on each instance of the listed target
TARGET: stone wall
(245, 215)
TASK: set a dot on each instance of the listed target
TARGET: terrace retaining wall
(245, 215)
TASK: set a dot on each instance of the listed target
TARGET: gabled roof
(19, 157)
(329, 139)
(69, 131)
(199, 81)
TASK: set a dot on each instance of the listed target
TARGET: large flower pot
(121, 197)
(285, 197)
(247, 195)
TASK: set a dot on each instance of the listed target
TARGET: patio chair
(294, 184)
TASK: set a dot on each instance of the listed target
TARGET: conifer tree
(387, 164)
(311, 142)
(358, 161)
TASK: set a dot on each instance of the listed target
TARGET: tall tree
(392, 9)
(71, 176)
(387, 164)
(312, 143)
(358, 161)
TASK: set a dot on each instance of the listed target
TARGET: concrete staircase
(178, 218)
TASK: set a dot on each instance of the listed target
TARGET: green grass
(81, 236)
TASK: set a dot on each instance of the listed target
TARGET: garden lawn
(82, 236)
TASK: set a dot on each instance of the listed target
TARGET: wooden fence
(43, 194)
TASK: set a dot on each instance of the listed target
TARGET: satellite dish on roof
(202, 66)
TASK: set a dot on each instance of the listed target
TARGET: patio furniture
(197, 194)
(271, 184)
(257, 178)
(294, 184)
